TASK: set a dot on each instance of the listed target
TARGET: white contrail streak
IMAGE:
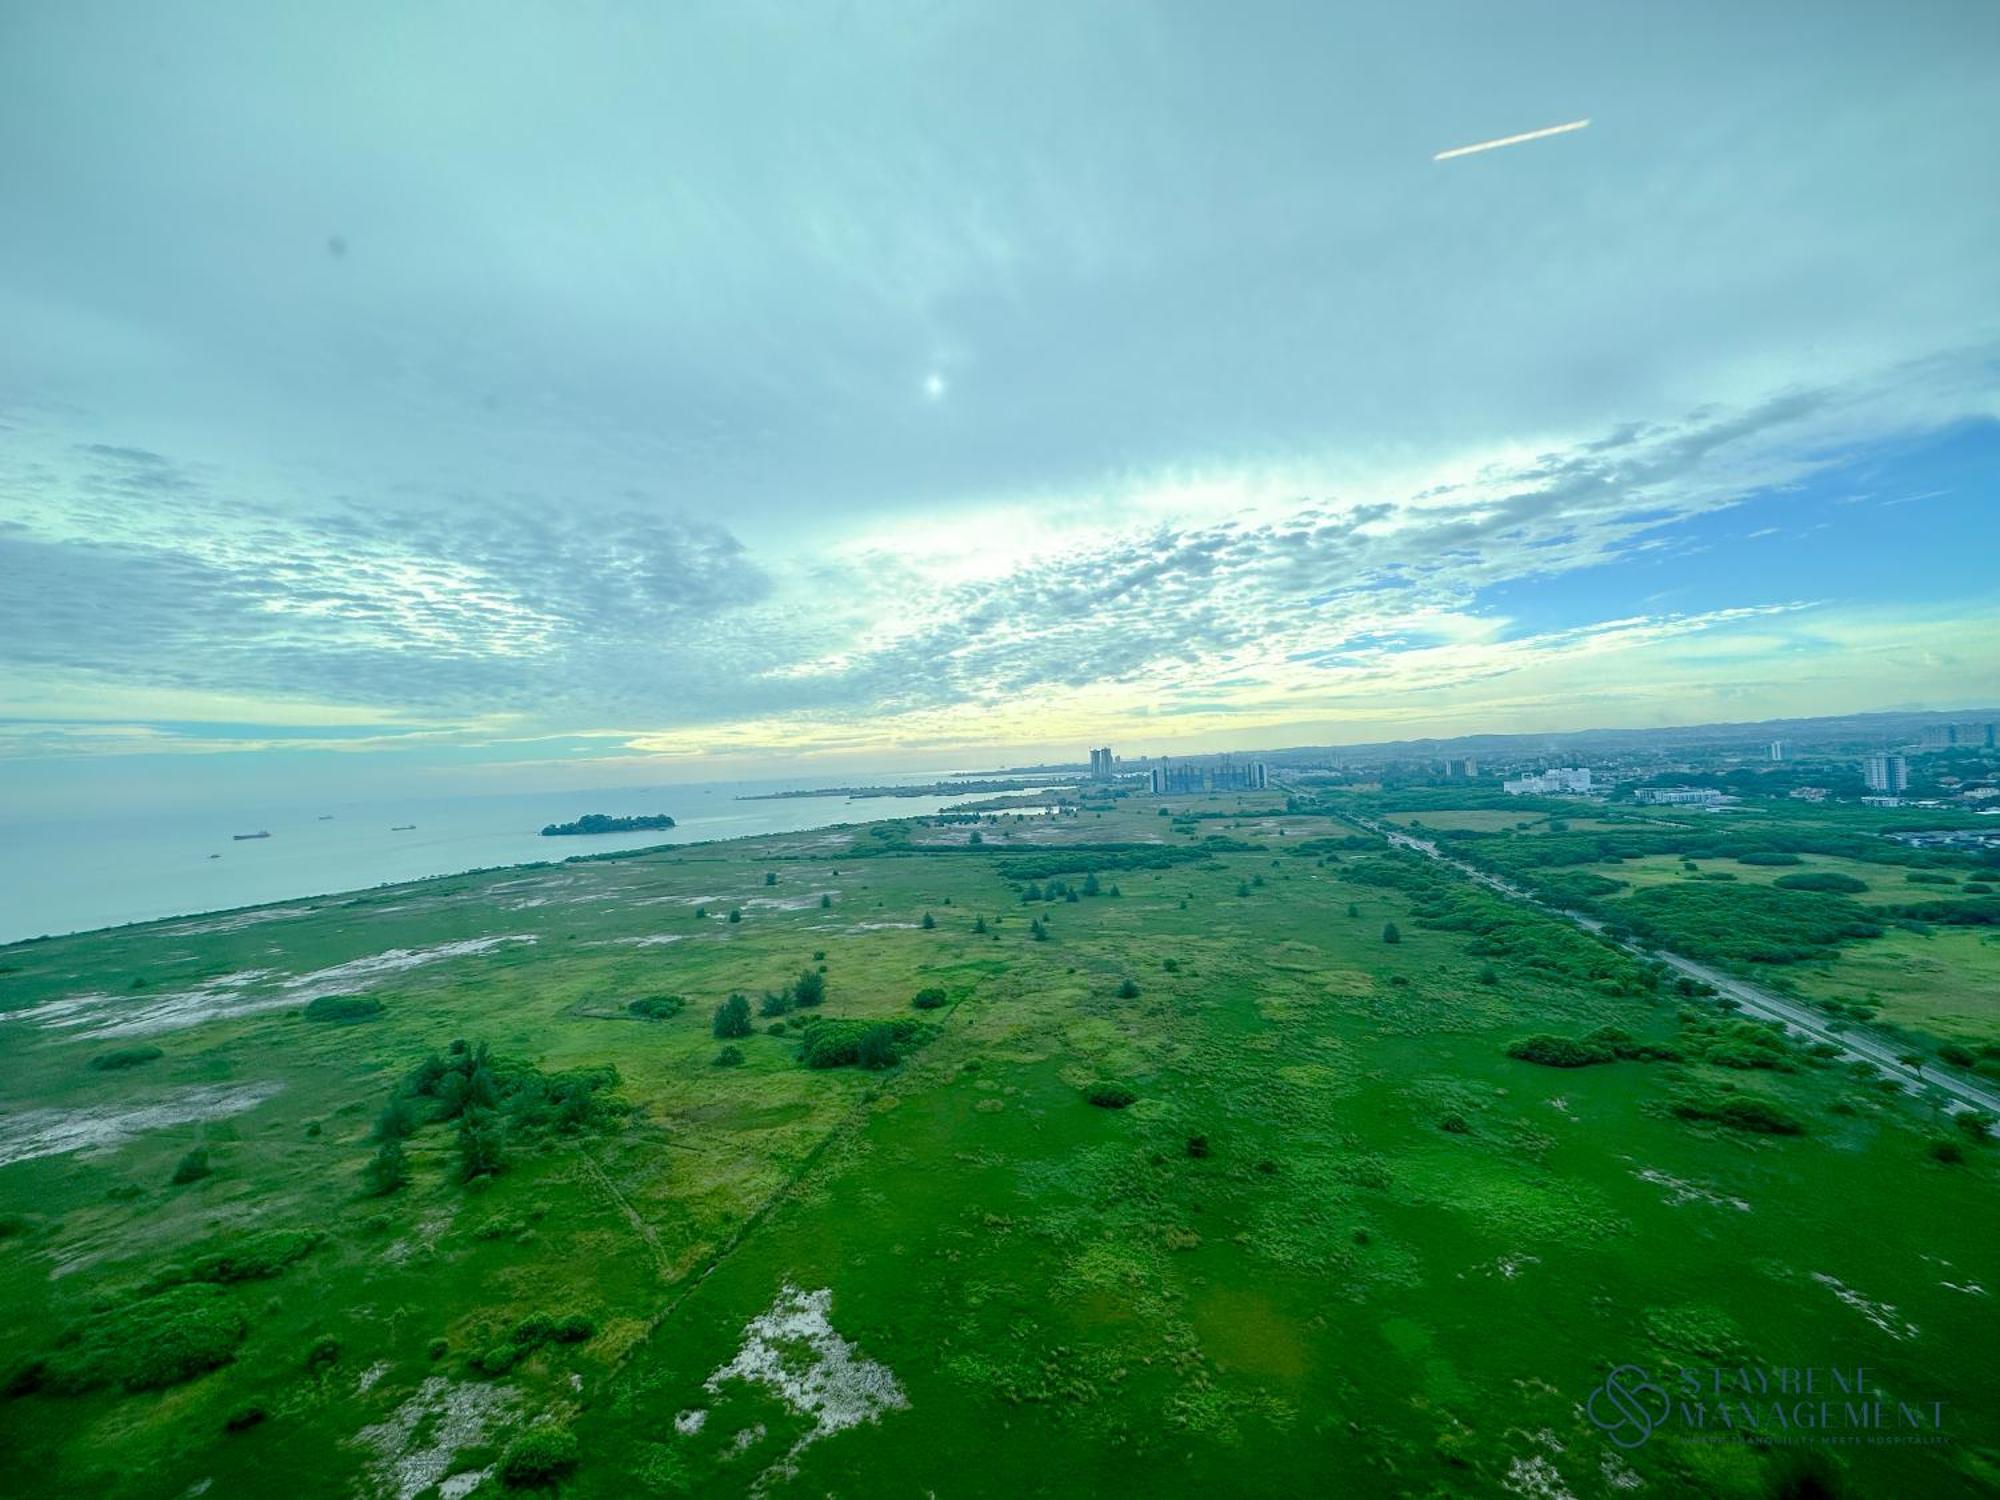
(1511, 140)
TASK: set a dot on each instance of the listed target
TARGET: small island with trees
(603, 823)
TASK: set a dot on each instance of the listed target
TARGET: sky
(407, 396)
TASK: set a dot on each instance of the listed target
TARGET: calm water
(76, 874)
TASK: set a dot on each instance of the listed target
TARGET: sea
(81, 873)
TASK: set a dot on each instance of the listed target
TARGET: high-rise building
(1886, 773)
(1100, 764)
(1777, 749)
(1940, 736)
(1223, 774)
(1467, 767)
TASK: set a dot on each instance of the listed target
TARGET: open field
(1338, 1239)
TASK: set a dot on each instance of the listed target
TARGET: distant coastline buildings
(1564, 781)
(1100, 764)
(1221, 774)
(1886, 773)
(1679, 796)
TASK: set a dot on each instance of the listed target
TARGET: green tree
(1037, 931)
(192, 1167)
(481, 1144)
(1129, 990)
(979, 925)
(732, 1018)
(929, 922)
(388, 1170)
(1390, 933)
(1090, 885)
(770, 877)
(809, 989)
(878, 1048)
(825, 902)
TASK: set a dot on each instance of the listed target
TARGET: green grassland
(1338, 1240)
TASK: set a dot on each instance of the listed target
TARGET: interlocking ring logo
(1628, 1406)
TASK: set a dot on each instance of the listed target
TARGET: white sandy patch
(370, 1377)
(794, 1350)
(1680, 1191)
(237, 921)
(240, 994)
(1536, 1478)
(688, 1423)
(789, 903)
(51, 1132)
(414, 1448)
(1881, 1314)
(656, 940)
(879, 926)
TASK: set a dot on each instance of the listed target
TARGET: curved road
(1959, 1093)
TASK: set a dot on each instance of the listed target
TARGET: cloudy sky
(533, 394)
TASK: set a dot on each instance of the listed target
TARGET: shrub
(1957, 1056)
(877, 1049)
(532, 1331)
(732, 1018)
(1975, 1124)
(931, 997)
(929, 922)
(323, 1355)
(1037, 931)
(124, 1057)
(192, 1167)
(1768, 857)
(770, 877)
(1559, 1052)
(244, 1418)
(657, 1007)
(1822, 880)
(537, 1457)
(481, 1145)
(157, 1342)
(774, 1004)
(574, 1329)
(735, 913)
(343, 1008)
(1488, 974)
(837, 1043)
(1739, 1112)
(497, 1361)
(979, 925)
(438, 1348)
(729, 1057)
(387, 1170)
(809, 989)
(1129, 990)
(1945, 1152)
(1111, 1096)
(1197, 1146)
(253, 1257)
(825, 902)
(1390, 934)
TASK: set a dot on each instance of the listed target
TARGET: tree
(480, 1144)
(388, 1170)
(929, 922)
(770, 877)
(825, 902)
(774, 1004)
(1390, 934)
(1037, 931)
(1129, 990)
(735, 913)
(1353, 910)
(192, 1167)
(979, 925)
(809, 989)
(1242, 887)
(732, 1018)
(878, 1048)
(1090, 885)
(976, 838)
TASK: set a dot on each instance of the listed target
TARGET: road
(1958, 1093)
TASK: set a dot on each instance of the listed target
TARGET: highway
(1957, 1092)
